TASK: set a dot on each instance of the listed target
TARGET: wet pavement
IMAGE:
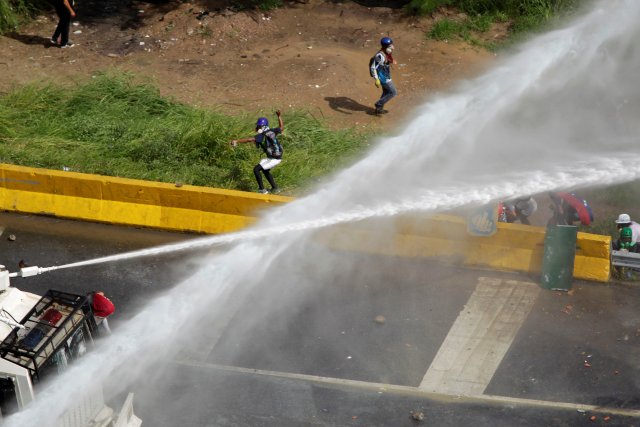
(355, 351)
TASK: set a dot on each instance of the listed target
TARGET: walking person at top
(65, 12)
(266, 140)
(380, 69)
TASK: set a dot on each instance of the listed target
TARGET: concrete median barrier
(209, 210)
(129, 201)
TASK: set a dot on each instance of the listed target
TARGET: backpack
(270, 145)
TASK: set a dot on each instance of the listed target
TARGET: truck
(41, 336)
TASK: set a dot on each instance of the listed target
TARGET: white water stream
(561, 113)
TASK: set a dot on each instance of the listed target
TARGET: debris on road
(417, 415)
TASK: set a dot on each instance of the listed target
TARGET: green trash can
(559, 256)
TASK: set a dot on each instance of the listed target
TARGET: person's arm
(374, 69)
(235, 142)
(280, 122)
(68, 6)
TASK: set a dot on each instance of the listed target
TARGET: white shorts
(269, 163)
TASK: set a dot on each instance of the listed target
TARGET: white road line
(414, 391)
(480, 337)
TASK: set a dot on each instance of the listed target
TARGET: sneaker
(275, 190)
(68, 45)
(53, 41)
(263, 191)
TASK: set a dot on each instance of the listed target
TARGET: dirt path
(312, 56)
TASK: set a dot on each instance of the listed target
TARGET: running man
(380, 69)
(267, 140)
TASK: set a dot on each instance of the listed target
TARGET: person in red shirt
(102, 308)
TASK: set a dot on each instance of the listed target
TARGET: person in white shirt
(624, 220)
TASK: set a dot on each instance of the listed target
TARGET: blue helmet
(386, 41)
(262, 122)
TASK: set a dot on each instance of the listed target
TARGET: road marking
(480, 337)
(414, 391)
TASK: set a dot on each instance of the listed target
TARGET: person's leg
(256, 171)
(60, 12)
(388, 92)
(65, 22)
(267, 173)
(267, 165)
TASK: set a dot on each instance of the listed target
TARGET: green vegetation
(259, 4)
(12, 13)
(117, 126)
(611, 202)
(478, 16)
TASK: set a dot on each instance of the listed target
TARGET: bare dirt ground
(311, 55)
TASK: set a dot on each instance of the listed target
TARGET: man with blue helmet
(266, 139)
(380, 69)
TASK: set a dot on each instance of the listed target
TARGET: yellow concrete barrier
(129, 201)
(209, 210)
(513, 247)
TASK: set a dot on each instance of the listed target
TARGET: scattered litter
(140, 11)
(179, 184)
(587, 364)
(309, 47)
(317, 86)
(417, 415)
(77, 32)
(75, 24)
(616, 372)
(12, 237)
(581, 411)
(113, 55)
(380, 319)
(567, 309)
(141, 43)
(593, 418)
(607, 418)
(66, 168)
(349, 357)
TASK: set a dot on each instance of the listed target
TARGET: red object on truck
(102, 306)
(51, 316)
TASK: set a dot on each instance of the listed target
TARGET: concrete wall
(513, 247)
(207, 210)
(129, 201)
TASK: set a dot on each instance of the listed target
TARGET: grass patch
(13, 13)
(524, 16)
(117, 126)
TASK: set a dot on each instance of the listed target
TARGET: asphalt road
(356, 351)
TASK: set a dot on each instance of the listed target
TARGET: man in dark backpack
(380, 70)
(266, 139)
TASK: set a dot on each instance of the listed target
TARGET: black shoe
(380, 111)
(275, 190)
